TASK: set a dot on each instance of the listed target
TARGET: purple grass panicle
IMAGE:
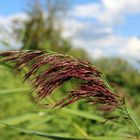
(47, 71)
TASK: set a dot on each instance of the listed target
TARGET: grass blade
(84, 114)
(13, 91)
(41, 134)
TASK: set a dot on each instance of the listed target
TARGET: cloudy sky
(102, 27)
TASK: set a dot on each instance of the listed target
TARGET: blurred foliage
(77, 120)
(44, 31)
(121, 73)
(123, 76)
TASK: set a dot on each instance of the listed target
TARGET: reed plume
(58, 70)
(47, 71)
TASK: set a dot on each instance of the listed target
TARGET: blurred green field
(79, 120)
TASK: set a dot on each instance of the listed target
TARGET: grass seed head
(60, 69)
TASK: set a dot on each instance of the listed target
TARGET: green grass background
(22, 119)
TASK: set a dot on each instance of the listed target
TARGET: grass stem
(133, 121)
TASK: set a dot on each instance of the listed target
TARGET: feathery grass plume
(48, 70)
(60, 69)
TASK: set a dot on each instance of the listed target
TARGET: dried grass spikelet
(60, 69)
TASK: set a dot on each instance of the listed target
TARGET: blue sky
(95, 25)
(11, 7)
(14, 6)
(130, 26)
(8, 8)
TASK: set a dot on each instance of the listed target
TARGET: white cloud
(8, 21)
(98, 39)
(7, 36)
(86, 10)
(131, 48)
(71, 27)
(108, 11)
(75, 29)
(111, 45)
